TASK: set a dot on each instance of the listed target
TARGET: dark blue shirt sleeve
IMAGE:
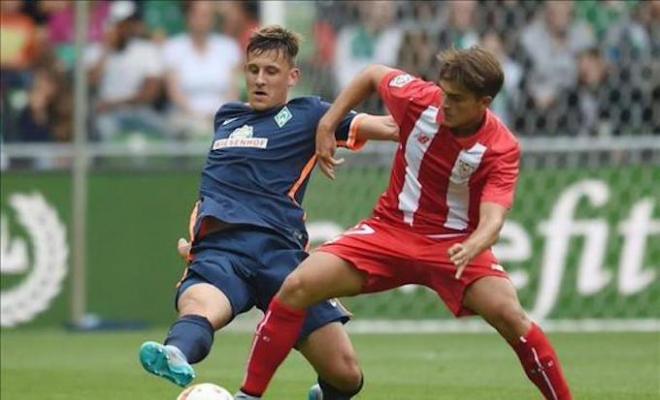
(346, 133)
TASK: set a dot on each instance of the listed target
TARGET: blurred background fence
(582, 92)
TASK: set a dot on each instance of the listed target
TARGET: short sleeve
(501, 183)
(400, 90)
(346, 133)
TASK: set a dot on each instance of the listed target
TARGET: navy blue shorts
(249, 264)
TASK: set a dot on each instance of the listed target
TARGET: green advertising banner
(579, 244)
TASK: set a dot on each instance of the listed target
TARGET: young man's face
(461, 107)
(269, 75)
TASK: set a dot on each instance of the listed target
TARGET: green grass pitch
(45, 365)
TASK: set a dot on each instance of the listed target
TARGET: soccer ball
(205, 391)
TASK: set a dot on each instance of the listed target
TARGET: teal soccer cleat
(167, 362)
(315, 393)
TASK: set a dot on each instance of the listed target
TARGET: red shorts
(393, 257)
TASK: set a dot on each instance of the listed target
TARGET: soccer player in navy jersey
(452, 183)
(247, 229)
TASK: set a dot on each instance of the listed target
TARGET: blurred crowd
(161, 68)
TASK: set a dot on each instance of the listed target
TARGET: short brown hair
(476, 69)
(275, 37)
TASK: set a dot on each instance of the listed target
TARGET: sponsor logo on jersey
(283, 117)
(241, 137)
(244, 132)
(229, 121)
(401, 80)
(422, 138)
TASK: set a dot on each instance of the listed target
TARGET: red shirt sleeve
(401, 92)
(500, 186)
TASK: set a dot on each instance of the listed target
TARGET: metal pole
(80, 164)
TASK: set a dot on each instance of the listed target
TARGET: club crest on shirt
(283, 117)
(465, 169)
(241, 137)
(401, 80)
(244, 132)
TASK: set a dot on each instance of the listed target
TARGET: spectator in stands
(603, 14)
(48, 115)
(589, 104)
(19, 51)
(459, 25)
(201, 69)
(604, 105)
(375, 40)
(422, 16)
(163, 18)
(61, 26)
(636, 38)
(552, 42)
(509, 95)
(506, 18)
(239, 19)
(126, 70)
(19, 47)
(417, 53)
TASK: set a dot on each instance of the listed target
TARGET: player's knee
(189, 303)
(295, 291)
(207, 302)
(510, 317)
(346, 374)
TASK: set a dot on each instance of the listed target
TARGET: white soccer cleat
(242, 396)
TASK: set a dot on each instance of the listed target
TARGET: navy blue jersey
(259, 164)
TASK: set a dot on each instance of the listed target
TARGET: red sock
(275, 337)
(542, 365)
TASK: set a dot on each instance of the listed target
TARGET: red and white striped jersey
(438, 180)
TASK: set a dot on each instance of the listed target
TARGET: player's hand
(461, 255)
(183, 247)
(326, 144)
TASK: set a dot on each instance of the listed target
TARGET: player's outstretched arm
(377, 127)
(357, 91)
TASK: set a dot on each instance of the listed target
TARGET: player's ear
(486, 101)
(294, 76)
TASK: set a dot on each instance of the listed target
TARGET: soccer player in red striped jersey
(452, 184)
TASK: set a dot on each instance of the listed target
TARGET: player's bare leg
(330, 351)
(207, 301)
(496, 300)
(203, 309)
(321, 276)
